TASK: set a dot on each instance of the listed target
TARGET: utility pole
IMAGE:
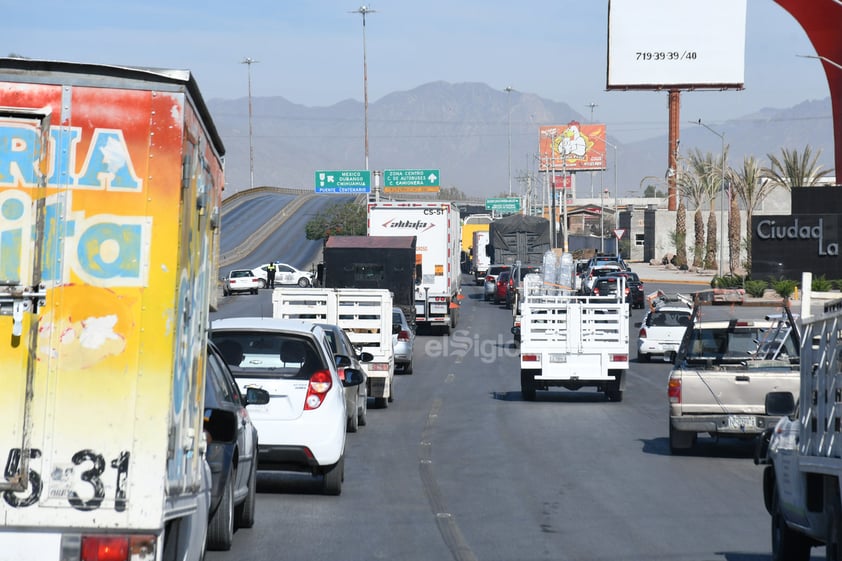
(592, 105)
(509, 90)
(249, 62)
(363, 10)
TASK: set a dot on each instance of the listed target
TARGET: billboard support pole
(672, 161)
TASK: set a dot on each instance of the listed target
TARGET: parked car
(403, 340)
(303, 426)
(284, 274)
(502, 285)
(240, 280)
(356, 397)
(231, 451)
(490, 286)
(662, 329)
(518, 272)
(634, 295)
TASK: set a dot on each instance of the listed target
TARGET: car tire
(261, 283)
(408, 368)
(527, 385)
(787, 545)
(681, 441)
(833, 508)
(642, 357)
(254, 291)
(353, 422)
(245, 511)
(221, 525)
(380, 402)
(225, 292)
(334, 475)
(303, 282)
(362, 416)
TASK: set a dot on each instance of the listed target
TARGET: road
(460, 467)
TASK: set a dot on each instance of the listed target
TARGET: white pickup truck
(571, 341)
(803, 451)
(366, 316)
(735, 352)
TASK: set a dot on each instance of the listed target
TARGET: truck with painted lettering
(110, 185)
(366, 316)
(436, 226)
(802, 452)
(571, 341)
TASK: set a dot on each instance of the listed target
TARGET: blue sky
(310, 52)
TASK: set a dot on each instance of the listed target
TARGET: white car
(284, 274)
(403, 339)
(302, 428)
(661, 331)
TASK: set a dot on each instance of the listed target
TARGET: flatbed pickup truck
(731, 356)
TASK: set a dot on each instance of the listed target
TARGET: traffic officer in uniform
(270, 275)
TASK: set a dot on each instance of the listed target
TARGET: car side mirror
(256, 396)
(342, 361)
(353, 377)
(780, 403)
(366, 356)
(221, 425)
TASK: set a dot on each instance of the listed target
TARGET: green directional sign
(503, 204)
(411, 178)
(343, 181)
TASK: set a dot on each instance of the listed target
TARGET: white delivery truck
(366, 316)
(110, 184)
(802, 481)
(571, 341)
(480, 260)
(437, 228)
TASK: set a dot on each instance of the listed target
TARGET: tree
(749, 185)
(451, 194)
(348, 219)
(651, 191)
(692, 185)
(795, 170)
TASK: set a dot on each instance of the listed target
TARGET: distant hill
(462, 129)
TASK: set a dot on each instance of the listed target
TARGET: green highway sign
(503, 204)
(411, 178)
(343, 181)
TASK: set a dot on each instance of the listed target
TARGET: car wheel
(408, 368)
(527, 385)
(642, 357)
(353, 422)
(833, 547)
(380, 402)
(221, 525)
(681, 441)
(254, 291)
(333, 478)
(303, 282)
(787, 545)
(261, 283)
(362, 416)
(245, 511)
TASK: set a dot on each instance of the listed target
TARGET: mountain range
(467, 131)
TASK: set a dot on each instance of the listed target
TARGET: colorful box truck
(110, 183)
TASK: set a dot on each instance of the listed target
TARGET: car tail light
(627, 291)
(117, 548)
(642, 333)
(403, 335)
(489, 278)
(596, 291)
(319, 385)
(619, 358)
(341, 372)
(674, 390)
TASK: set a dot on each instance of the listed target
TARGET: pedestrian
(270, 275)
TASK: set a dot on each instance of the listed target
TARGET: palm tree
(794, 170)
(701, 184)
(749, 185)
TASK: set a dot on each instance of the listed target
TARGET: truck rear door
(23, 165)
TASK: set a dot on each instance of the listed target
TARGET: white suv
(302, 428)
(662, 329)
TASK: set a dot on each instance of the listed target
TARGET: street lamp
(363, 10)
(552, 133)
(721, 196)
(509, 90)
(249, 62)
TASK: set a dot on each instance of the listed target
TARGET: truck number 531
(91, 477)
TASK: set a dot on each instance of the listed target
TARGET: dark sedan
(634, 293)
(231, 451)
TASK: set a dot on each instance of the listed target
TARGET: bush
(756, 288)
(727, 281)
(785, 287)
(821, 284)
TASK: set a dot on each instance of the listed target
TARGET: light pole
(249, 62)
(551, 133)
(592, 105)
(509, 90)
(721, 196)
(602, 194)
(363, 10)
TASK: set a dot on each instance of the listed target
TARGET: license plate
(556, 357)
(742, 422)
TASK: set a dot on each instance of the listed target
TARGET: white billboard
(676, 44)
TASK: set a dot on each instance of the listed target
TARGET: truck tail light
(674, 390)
(319, 385)
(117, 548)
(535, 357)
(619, 358)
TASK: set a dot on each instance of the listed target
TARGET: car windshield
(269, 354)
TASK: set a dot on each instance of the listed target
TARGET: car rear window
(669, 319)
(269, 354)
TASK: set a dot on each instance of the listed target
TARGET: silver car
(356, 397)
(490, 287)
(403, 339)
